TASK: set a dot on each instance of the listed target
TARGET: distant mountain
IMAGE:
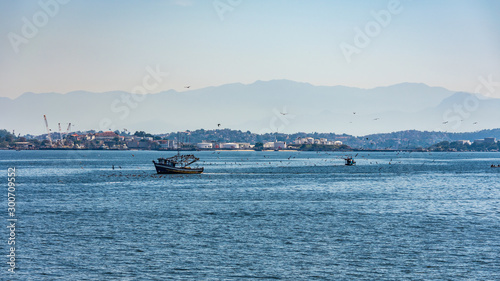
(261, 107)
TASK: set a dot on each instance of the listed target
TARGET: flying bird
(446, 122)
(218, 125)
(283, 113)
(474, 123)
(187, 87)
(376, 119)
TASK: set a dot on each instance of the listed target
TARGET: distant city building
(78, 137)
(478, 141)
(89, 137)
(244, 145)
(310, 140)
(279, 145)
(464, 142)
(303, 140)
(129, 138)
(167, 144)
(133, 144)
(230, 145)
(108, 136)
(204, 145)
(23, 145)
(268, 145)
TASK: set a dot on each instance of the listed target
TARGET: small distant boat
(497, 166)
(178, 164)
(349, 161)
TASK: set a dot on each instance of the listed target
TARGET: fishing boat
(178, 164)
(349, 161)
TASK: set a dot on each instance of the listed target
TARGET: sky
(69, 45)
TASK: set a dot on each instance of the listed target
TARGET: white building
(268, 145)
(229, 145)
(244, 145)
(310, 140)
(279, 145)
(305, 141)
(168, 144)
(204, 145)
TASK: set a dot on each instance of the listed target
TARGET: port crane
(67, 132)
(69, 128)
(60, 132)
(48, 130)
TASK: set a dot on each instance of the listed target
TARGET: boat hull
(164, 169)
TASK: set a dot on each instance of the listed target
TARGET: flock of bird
(274, 162)
(354, 113)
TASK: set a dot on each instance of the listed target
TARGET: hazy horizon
(263, 106)
(239, 83)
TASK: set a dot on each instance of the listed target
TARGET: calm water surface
(254, 215)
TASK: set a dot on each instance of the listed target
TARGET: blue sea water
(254, 215)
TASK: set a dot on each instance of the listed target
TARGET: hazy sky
(108, 45)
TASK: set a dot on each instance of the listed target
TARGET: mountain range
(262, 107)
